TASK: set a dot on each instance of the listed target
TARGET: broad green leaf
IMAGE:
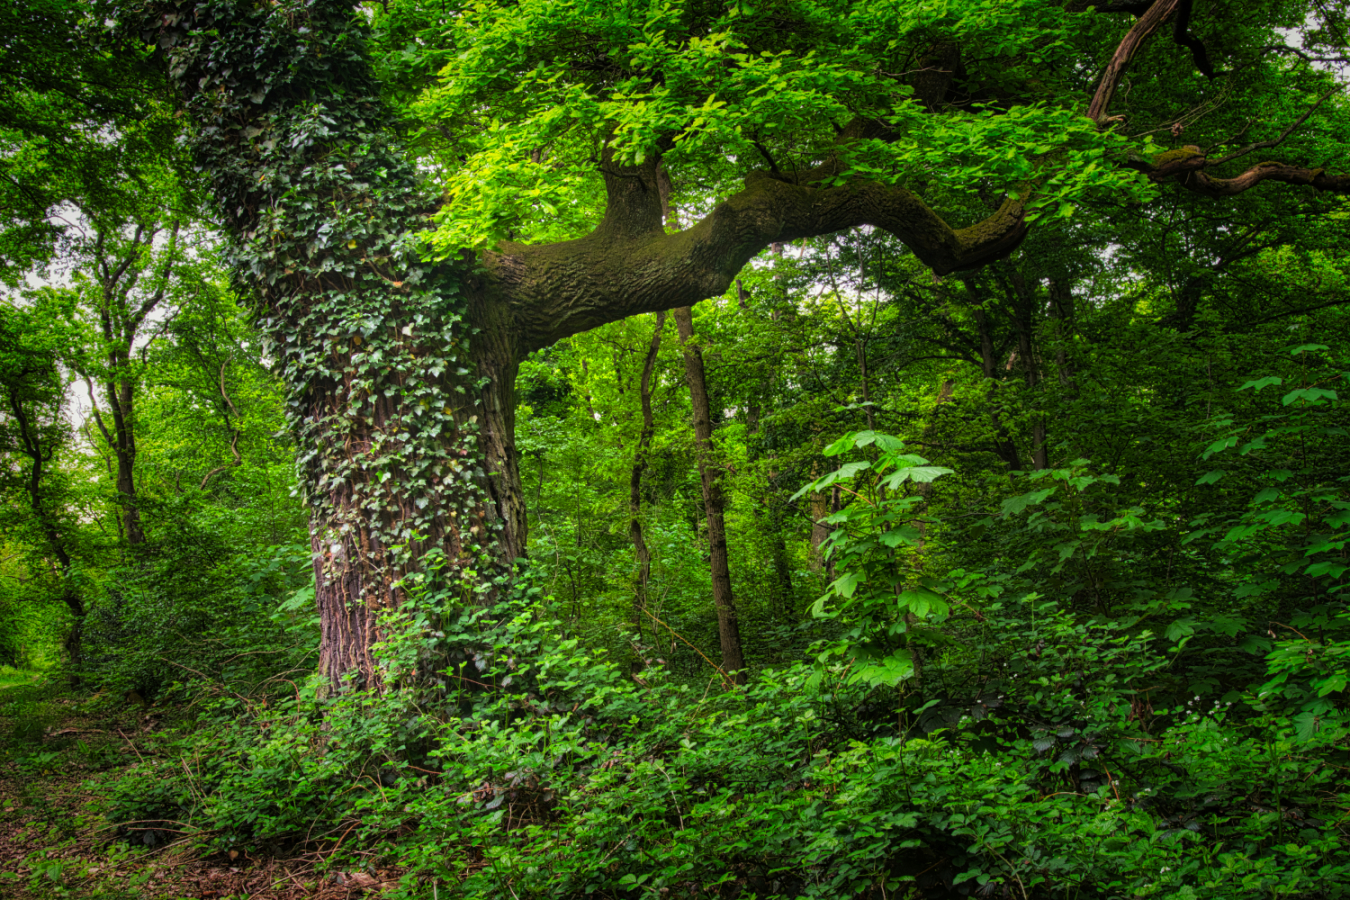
(1018, 504)
(1180, 630)
(1311, 396)
(1327, 567)
(845, 585)
(888, 672)
(906, 534)
(1220, 445)
(921, 474)
(1306, 725)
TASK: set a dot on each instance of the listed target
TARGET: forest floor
(59, 749)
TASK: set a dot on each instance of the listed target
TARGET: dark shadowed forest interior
(661, 449)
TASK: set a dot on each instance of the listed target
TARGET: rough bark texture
(728, 629)
(1125, 52)
(630, 265)
(396, 401)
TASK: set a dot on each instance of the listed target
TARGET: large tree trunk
(728, 629)
(400, 374)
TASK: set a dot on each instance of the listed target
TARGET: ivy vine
(317, 200)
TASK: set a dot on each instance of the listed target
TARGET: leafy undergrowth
(565, 776)
(576, 779)
(59, 749)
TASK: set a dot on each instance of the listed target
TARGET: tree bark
(728, 629)
(399, 374)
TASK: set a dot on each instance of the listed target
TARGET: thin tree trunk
(640, 549)
(925, 489)
(122, 400)
(820, 508)
(39, 456)
(1024, 322)
(783, 593)
(728, 630)
(770, 511)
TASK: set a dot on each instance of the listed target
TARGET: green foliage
(191, 617)
(879, 591)
(81, 126)
(580, 781)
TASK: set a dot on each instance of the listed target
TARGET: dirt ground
(58, 748)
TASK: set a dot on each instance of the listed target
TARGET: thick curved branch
(1182, 36)
(629, 265)
(234, 439)
(1188, 166)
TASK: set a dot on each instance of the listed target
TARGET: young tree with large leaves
(548, 124)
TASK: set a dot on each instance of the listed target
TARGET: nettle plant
(889, 607)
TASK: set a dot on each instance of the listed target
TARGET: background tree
(33, 430)
(83, 125)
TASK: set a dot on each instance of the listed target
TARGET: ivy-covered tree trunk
(396, 402)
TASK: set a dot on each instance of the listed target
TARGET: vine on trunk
(372, 344)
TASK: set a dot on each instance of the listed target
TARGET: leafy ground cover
(58, 747)
(585, 782)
